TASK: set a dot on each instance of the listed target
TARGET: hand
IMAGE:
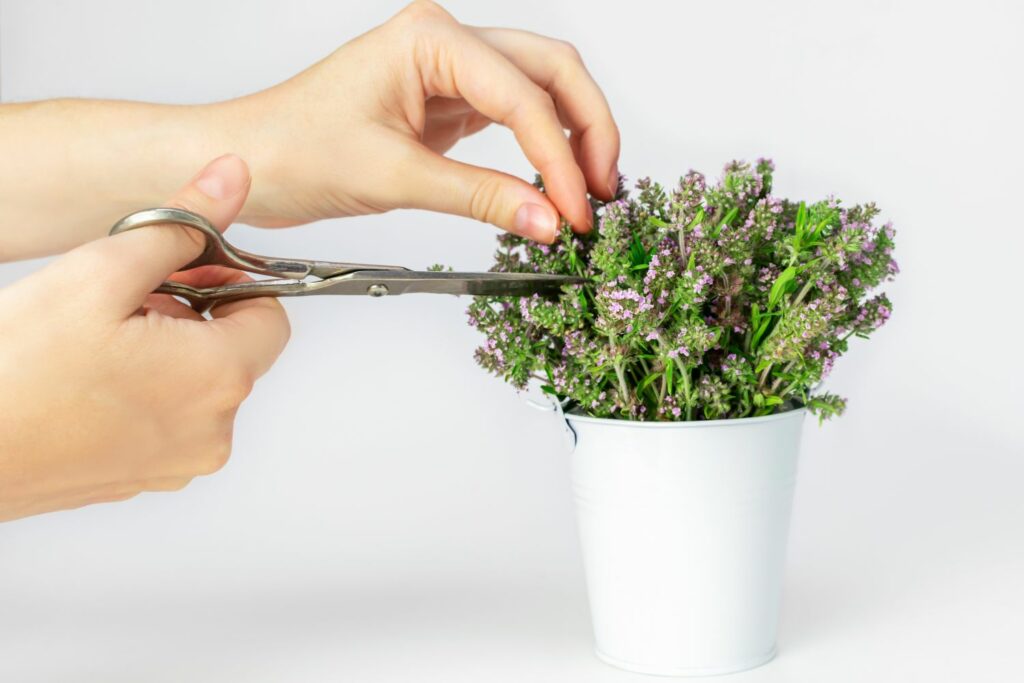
(363, 131)
(109, 390)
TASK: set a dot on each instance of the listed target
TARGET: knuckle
(234, 380)
(532, 107)
(197, 238)
(214, 457)
(485, 201)
(612, 136)
(541, 102)
(123, 496)
(567, 51)
(423, 9)
(236, 387)
(170, 485)
(286, 327)
(88, 260)
(92, 272)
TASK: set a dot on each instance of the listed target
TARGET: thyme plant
(705, 302)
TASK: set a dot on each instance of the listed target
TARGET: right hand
(107, 390)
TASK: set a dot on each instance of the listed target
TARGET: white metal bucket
(683, 528)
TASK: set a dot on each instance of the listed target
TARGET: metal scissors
(292, 276)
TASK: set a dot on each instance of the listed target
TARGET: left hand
(364, 130)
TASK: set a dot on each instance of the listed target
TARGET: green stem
(626, 399)
(620, 374)
(803, 292)
(685, 376)
(778, 380)
(788, 389)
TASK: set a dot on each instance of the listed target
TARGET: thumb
(141, 259)
(442, 184)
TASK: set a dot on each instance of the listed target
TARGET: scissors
(291, 277)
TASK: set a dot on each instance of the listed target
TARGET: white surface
(393, 514)
(683, 529)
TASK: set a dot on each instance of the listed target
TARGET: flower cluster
(704, 302)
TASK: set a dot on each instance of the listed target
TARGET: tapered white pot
(683, 528)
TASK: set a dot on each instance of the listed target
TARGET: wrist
(243, 126)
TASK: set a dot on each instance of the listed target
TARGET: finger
(165, 304)
(557, 68)
(164, 484)
(497, 89)
(134, 263)
(441, 184)
(255, 330)
(204, 276)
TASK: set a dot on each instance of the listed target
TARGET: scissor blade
(390, 283)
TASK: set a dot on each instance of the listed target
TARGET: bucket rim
(573, 417)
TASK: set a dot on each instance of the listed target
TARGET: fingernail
(536, 222)
(223, 177)
(613, 180)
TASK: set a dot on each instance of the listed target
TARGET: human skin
(362, 131)
(109, 390)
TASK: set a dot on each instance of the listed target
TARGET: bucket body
(683, 528)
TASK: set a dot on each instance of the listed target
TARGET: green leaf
(758, 335)
(656, 222)
(548, 389)
(647, 380)
(669, 374)
(729, 217)
(801, 219)
(779, 287)
(639, 257)
(772, 400)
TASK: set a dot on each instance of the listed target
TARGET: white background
(391, 513)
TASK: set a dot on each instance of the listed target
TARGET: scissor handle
(203, 299)
(220, 252)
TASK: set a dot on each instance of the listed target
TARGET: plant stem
(788, 389)
(778, 380)
(803, 292)
(685, 376)
(627, 401)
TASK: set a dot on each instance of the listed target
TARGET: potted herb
(685, 367)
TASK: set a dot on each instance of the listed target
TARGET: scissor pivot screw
(377, 290)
